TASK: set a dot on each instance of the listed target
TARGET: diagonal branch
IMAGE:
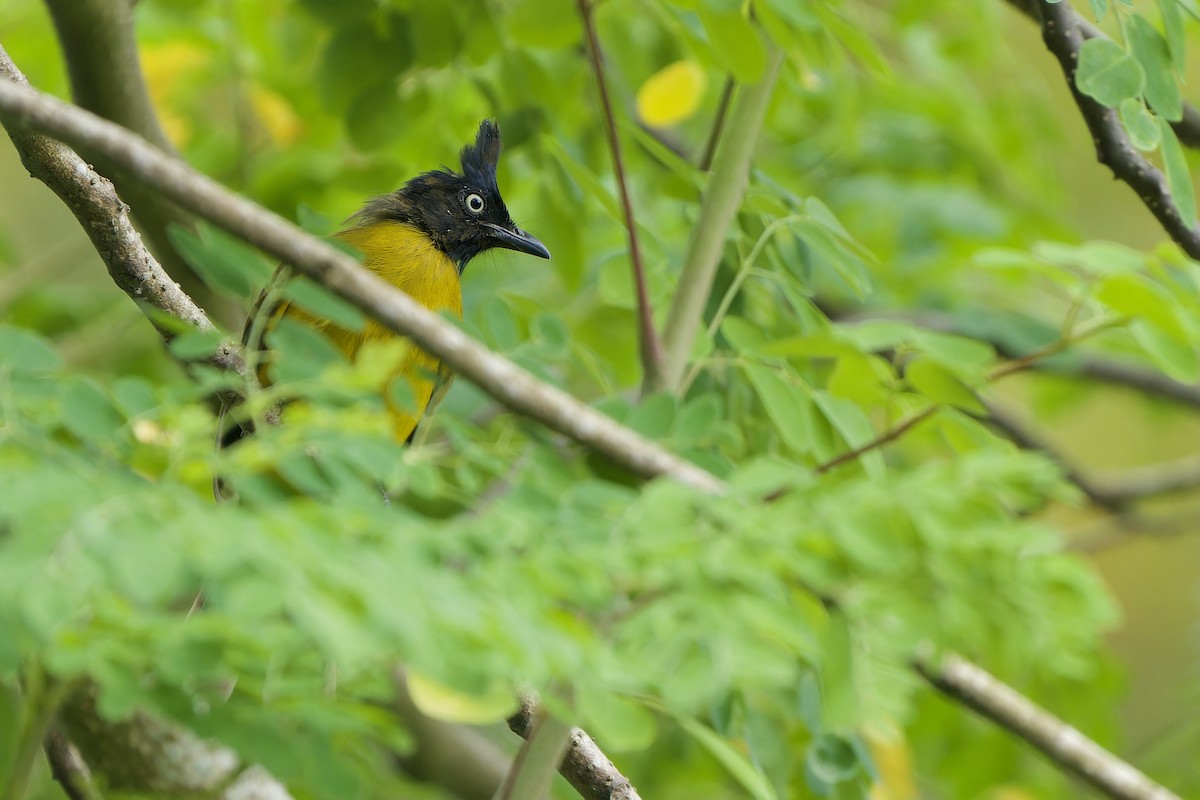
(1187, 129)
(994, 700)
(584, 765)
(650, 346)
(1061, 33)
(513, 386)
(100, 48)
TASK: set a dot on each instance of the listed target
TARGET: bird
(420, 239)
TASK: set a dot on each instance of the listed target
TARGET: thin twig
(1106, 370)
(584, 765)
(68, 767)
(1187, 129)
(650, 345)
(966, 683)
(890, 435)
(1020, 435)
(718, 125)
(1061, 33)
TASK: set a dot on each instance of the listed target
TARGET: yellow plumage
(419, 239)
(406, 258)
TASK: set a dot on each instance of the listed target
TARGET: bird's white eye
(474, 203)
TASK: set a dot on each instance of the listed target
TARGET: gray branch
(1063, 37)
(994, 700)
(585, 766)
(100, 48)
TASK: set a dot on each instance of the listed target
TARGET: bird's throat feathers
(406, 257)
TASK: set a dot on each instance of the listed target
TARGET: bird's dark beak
(516, 239)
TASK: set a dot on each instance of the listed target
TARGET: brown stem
(714, 134)
(650, 346)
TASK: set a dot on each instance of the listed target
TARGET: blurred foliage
(716, 646)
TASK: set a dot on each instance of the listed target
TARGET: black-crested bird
(420, 238)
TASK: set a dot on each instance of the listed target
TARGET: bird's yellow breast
(406, 258)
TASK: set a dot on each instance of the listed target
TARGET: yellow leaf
(671, 95)
(450, 705)
(166, 67)
(282, 123)
(889, 749)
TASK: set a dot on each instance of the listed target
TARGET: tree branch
(1020, 435)
(718, 125)
(100, 48)
(650, 346)
(105, 220)
(726, 185)
(514, 387)
(1061, 33)
(1118, 373)
(68, 767)
(1187, 129)
(584, 765)
(890, 435)
(966, 683)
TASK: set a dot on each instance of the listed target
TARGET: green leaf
(543, 23)
(88, 413)
(362, 51)
(1139, 124)
(1178, 359)
(621, 723)
(303, 352)
(941, 385)
(653, 416)
(851, 422)
(1150, 49)
(753, 781)
(788, 406)
(222, 261)
(1107, 73)
(1172, 17)
(1138, 296)
(195, 345)
(1179, 177)
(737, 44)
(373, 114)
(832, 759)
(323, 304)
(25, 351)
(1100, 8)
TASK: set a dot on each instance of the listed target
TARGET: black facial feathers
(462, 214)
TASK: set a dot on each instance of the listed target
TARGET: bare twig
(1153, 480)
(718, 125)
(1061, 33)
(1020, 435)
(650, 346)
(1187, 129)
(584, 765)
(966, 683)
(68, 767)
(890, 435)
(1118, 373)
(513, 386)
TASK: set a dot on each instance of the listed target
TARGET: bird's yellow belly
(407, 259)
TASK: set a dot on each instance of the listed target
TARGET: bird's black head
(462, 213)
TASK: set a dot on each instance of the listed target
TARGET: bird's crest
(479, 160)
